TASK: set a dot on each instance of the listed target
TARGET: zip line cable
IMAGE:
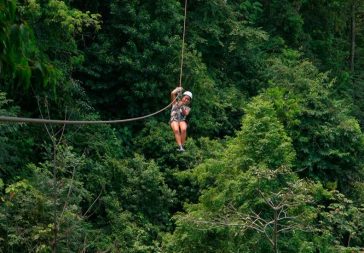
(77, 122)
(90, 122)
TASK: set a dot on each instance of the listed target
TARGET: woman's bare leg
(176, 131)
(183, 128)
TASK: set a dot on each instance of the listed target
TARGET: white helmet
(187, 93)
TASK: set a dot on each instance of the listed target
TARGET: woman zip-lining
(179, 112)
(180, 108)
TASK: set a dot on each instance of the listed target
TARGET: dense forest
(274, 158)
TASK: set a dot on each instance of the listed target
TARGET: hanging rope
(183, 45)
(90, 122)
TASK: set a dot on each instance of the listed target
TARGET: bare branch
(45, 125)
(68, 194)
(63, 128)
(84, 215)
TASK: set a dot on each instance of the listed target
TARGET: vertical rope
(183, 45)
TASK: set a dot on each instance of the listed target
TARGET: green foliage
(40, 46)
(16, 46)
(97, 142)
(326, 24)
(136, 202)
(10, 142)
(343, 220)
(228, 213)
(57, 12)
(262, 140)
(265, 122)
(128, 233)
(327, 140)
(141, 188)
(43, 213)
(283, 18)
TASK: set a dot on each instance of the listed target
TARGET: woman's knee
(176, 132)
(183, 127)
(175, 127)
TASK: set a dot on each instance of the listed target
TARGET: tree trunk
(55, 196)
(275, 231)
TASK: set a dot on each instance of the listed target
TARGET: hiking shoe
(181, 149)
